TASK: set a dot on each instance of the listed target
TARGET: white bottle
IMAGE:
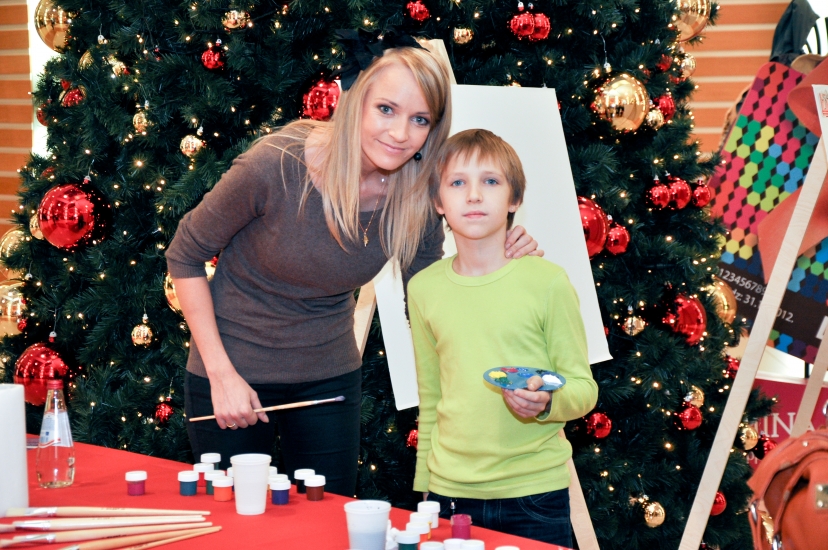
(55, 465)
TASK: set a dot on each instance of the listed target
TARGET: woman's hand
(528, 403)
(234, 401)
(519, 243)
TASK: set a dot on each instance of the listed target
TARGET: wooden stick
(140, 541)
(171, 540)
(98, 512)
(6, 527)
(67, 524)
(94, 534)
(280, 407)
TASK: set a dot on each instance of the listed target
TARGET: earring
(418, 157)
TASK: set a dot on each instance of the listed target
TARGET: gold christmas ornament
(11, 307)
(748, 437)
(693, 18)
(34, 227)
(140, 122)
(142, 334)
(463, 35)
(655, 119)
(633, 325)
(52, 24)
(695, 397)
(169, 292)
(688, 66)
(235, 19)
(190, 145)
(8, 245)
(118, 67)
(210, 269)
(653, 514)
(85, 61)
(622, 100)
(724, 299)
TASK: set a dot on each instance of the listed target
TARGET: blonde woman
(302, 219)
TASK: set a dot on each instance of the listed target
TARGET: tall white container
(14, 488)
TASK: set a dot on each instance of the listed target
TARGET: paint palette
(513, 378)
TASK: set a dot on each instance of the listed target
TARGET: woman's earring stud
(418, 157)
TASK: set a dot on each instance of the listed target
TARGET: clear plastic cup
(367, 523)
(250, 472)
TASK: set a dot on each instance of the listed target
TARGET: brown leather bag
(792, 480)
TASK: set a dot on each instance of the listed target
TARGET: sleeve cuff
(185, 271)
(544, 415)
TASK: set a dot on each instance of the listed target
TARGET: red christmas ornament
(598, 425)
(213, 57)
(688, 318)
(522, 25)
(38, 364)
(65, 84)
(702, 195)
(47, 173)
(163, 412)
(595, 223)
(412, 439)
(320, 102)
(73, 97)
(73, 215)
(542, 27)
(618, 238)
(763, 447)
(666, 105)
(719, 504)
(664, 63)
(688, 418)
(680, 192)
(417, 11)
(21, 324)
(659, 194)
(732, 367)
(41, 115)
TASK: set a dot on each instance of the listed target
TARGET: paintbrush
(280, 407)
(98, 512)
(94, 534)
(137, 542)
(67, 524)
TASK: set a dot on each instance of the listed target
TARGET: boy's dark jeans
(543, 517)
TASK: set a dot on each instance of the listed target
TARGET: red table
(99, 481)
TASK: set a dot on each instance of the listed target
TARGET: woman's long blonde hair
(408, 208)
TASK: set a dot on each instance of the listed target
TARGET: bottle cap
(420, 527)
(136, 475)
(211, 458)
(54, 384)
(188, 475)
(420, 516)
(213, 474)
(223, 481)
(282, 485)
(504, 548)
(428, 507)
(304, 473)
(431, 545)
(278, 477)
(315, 481)
(408, 537)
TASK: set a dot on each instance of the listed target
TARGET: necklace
(365, 229)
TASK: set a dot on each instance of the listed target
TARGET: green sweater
(471, 445)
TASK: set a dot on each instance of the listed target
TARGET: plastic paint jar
(474, 545)
(408, 540)
(280, 491)
(422, 517)
(278, 477)
(461, 526)
(432, 545)
(507, 548)
(136, 483)
(453, 544)
(209, 477)
(300, 476)
(430, 507)
(272, 471)
(229, 473)
(315, 486)
(187, 483)
(211, 458)
(421, 527)
(223, 489)
(202, 467)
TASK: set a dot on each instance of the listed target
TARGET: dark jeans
(323, 437)
(543, 517)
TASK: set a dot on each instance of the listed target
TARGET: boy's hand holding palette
(514, 378)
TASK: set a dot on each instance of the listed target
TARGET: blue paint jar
(210, 476)
(187, 483)
(279, 492)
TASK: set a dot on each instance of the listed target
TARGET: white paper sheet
(14, 488)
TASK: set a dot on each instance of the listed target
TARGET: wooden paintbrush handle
(97, 511)
(132, 541)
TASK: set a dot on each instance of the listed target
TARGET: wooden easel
(765, 318)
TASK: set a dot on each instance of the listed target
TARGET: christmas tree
(150, 101)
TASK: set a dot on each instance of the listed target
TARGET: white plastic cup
(250, 482)
(430, 507)
(367, 523)
(453, 544)
(432, 545)
(473, 544)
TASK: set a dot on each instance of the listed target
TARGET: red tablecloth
(99, 481)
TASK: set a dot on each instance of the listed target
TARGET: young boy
(495, 455)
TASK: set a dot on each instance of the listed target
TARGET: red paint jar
(315, 487)
(136, 483)
(461, 526)
(223, 489)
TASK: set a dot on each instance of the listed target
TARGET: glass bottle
(55, 463)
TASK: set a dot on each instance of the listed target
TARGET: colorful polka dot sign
(765, 159)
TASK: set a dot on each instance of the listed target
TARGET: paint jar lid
(188, 475)
(420, 527)
(213, 474)
(136, 475)
(278, 477)
(272, 471)
(432, 545)
(304, 473)
(315, 481)
(203, 467)
(429, 507)
(223, 481)
(473, 544)
(461, 519)
(408, 537)
(453, 544)
(229, 472)
(282, 485)
(420, 516)
(211, 458)
(504, 548)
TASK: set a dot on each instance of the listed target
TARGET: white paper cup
(250, 472)
(367, 523)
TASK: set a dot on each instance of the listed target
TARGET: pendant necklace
(365, 229)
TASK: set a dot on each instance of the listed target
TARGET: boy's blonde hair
(482, 145)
